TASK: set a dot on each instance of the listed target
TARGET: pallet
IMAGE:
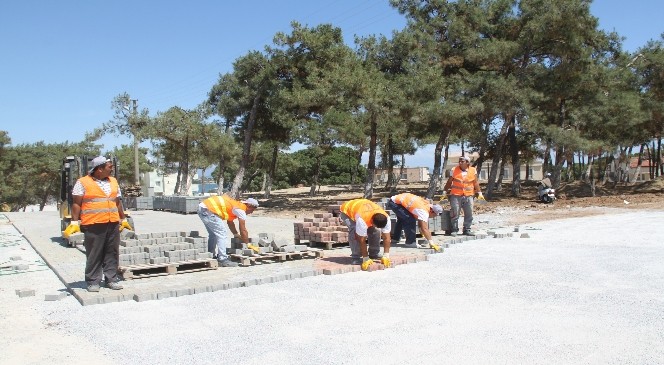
(328, 245)
(172, 268)
(258, 259)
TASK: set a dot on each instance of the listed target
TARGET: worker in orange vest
(461, 188)
(97, 203)
(410, 210)
(366, 221)
(213, 211)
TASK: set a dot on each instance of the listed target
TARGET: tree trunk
(314, 183)
(501, 175)
(434, 179)
(387, 161)
(246, 149)
(516, 164)
(402, 167)
(495, 164)
(637, 170)
(371, 165)
(273, 169)
(176, 190)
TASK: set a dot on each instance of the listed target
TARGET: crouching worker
(366, 221)
(213, 211)
(97, 203)
(410, 209)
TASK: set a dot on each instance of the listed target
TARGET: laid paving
(42, 231)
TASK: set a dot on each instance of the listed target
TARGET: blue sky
(63, 62)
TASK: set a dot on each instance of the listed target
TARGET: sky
(63, 62)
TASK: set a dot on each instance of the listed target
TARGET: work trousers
(373, 239)
(217, 233)
(102, 248)
(458, 203)
(405, 222)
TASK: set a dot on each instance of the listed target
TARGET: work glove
(366, 262)
(434, 246)
(125, 224)
(480, 198)
(444, 198)
(385, 260)
(73, 227)
(254, 248)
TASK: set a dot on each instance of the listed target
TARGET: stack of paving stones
(323, 229)
(161, 248)
(269, 248)
(177, 204)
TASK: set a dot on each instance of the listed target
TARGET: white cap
(251, 201)
(437, 208)
(465, 158)
(98, 161)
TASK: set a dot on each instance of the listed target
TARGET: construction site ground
(580, 282)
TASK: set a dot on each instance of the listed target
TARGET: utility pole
(135, 132)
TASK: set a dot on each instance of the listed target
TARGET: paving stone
(22, 293)
(15, 258)
(525, 235)
(54, 297)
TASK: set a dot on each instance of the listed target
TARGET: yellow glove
(125, 224)
(73, 227)
(480, 198)
(434, 246)
(254, 248)
(385, 260)
(444, 198)
(366, 263)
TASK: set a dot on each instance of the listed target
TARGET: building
(155, 183)
(409, 175)
(534, 168)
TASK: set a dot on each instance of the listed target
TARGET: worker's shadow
(338, 260)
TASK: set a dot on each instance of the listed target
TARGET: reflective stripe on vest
(412, 202)
(364, 207)
(96, 207)
(223, 206)
(463, 186)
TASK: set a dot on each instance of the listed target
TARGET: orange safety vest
(96, 206)
(463, 186)
(412, 202)
(223, 206)
(364, 207)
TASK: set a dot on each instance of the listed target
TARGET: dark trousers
(102, 247)
(405, 222)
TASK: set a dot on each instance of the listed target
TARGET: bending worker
(409, 209)
(213, 211)
(461, 187)
(366, 221)
(97, 203)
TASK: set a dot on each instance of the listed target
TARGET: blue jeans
(458, 203)
(217, 233)
(405, 222)
(373, 239)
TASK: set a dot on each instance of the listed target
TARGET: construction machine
(73, 168)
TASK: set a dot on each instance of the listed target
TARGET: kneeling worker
(366, 221)
(409, 209)
(216, 209)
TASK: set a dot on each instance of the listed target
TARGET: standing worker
(366, 221)
(461, 187)
(410, 209)
(216, 209)
(97, 203)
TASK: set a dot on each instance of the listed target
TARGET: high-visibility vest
(463, 186)
(412, 202)
(364, 207)
(223, 206)
(96, 206)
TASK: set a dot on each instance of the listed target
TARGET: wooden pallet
(172, 268)
(258, 259)
(328, 245)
